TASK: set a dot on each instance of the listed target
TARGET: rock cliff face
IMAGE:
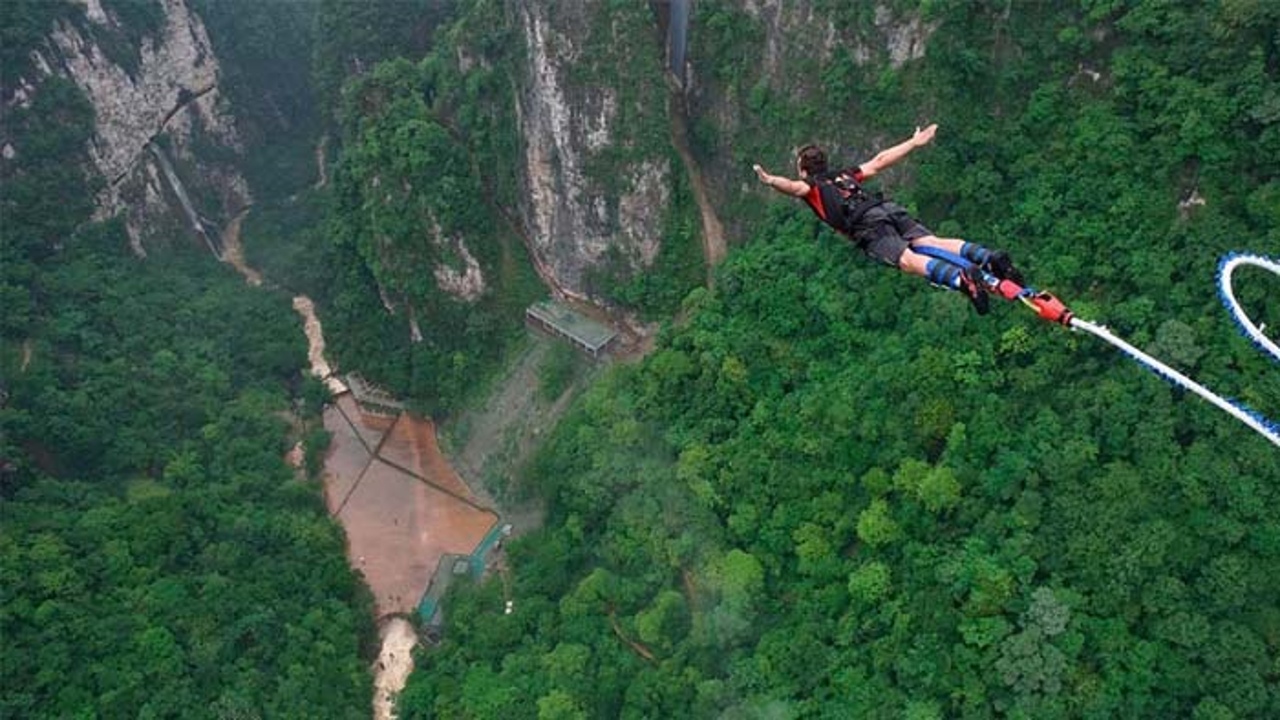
(799, 44)
(901, 36)
(157, 125)
(577, 220)
(595, 170)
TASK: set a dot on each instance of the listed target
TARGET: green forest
(834, 492)
(829, 491)
(158, 558)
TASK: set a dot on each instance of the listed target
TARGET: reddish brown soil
(412, 445)
(403, 508)
(346, 460)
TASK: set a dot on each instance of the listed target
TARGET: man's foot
(972, 286)
(1001, 265)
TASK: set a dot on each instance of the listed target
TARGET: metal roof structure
(587, 334)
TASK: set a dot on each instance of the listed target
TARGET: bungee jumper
(885, 231)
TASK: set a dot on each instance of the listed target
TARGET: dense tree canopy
(833, 492)
(158, 558)
(830, 491)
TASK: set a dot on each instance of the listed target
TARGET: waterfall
(673, 21)
(677, 37)
(185, 200)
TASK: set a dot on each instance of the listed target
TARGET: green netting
(444, 572)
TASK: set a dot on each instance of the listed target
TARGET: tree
(875, 525)
(870, 583)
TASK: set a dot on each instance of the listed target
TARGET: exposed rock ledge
(174, 87)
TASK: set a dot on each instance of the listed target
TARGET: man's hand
(786, 186)
(923, 137)
(886, 158)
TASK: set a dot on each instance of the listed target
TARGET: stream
(397, 634)
(404, 507)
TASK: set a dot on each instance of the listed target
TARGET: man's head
(811, 160)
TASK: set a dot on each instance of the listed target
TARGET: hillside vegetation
(158, 558)
(831, 491)
(835, 492)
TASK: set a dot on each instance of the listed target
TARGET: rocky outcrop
(798, 25)
(577, 223)
(905, 37)
(800, 47)
(168, 105)
(461, 278)
(574, 221)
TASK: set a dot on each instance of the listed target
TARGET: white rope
(1257, 422)
(1225, 268)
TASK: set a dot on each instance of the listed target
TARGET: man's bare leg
(917, 263)
(951, 245)
(914, 263)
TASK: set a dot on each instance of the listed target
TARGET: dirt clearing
(402, 506)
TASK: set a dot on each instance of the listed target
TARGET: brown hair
(813, 160)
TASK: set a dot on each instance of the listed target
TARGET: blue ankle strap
(941, 254)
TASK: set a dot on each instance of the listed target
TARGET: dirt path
(322, 167)
(233, 251)
(315, 345)
(714, 248)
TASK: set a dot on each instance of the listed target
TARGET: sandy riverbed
(395, 662)
(401, 503)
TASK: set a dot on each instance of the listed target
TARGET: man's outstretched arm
(885, 158)
(787, 186)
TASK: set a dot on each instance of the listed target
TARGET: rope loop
(1256, 421)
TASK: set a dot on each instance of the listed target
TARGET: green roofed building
(559, 320)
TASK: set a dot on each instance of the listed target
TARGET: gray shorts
(886, 231)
